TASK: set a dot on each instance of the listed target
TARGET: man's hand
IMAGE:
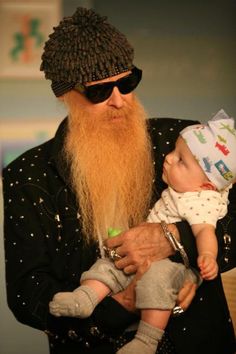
(138, 247)
(145, 242)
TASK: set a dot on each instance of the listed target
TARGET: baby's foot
(79, 303)
(145, 341)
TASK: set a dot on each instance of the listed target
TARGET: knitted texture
(84, 48)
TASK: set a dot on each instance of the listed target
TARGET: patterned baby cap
(214, 146)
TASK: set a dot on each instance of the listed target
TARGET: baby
(199, 173)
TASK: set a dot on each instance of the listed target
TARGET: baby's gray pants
(158, 288)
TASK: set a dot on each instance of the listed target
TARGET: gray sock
(145, 341)
(86, 299)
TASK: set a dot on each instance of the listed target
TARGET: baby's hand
(208, 266)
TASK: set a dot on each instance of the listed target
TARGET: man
(98, 172)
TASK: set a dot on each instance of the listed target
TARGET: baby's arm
(207, 250)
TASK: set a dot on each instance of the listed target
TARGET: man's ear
(208, 186)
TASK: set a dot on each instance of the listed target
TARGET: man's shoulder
(166, 130)
(29, 158)
(164, 133)
(164, 123)
(39, 155)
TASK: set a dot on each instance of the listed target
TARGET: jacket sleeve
(29, 280)
(226, 235)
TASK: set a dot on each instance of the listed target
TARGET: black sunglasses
(100, 92)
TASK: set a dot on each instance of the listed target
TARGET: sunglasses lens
(99, 93)
(130, 82)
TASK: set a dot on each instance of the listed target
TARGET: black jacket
(45, 254)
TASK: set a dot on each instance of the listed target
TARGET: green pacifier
(112, 232)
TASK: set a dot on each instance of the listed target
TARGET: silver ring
(177, 310)
(111, 253)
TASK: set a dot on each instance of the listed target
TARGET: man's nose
(116, 100)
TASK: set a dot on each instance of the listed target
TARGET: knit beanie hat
(214, 147)
(83, 48)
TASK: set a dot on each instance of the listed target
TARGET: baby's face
(181, 171)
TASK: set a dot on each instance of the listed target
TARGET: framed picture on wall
(24, 27)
